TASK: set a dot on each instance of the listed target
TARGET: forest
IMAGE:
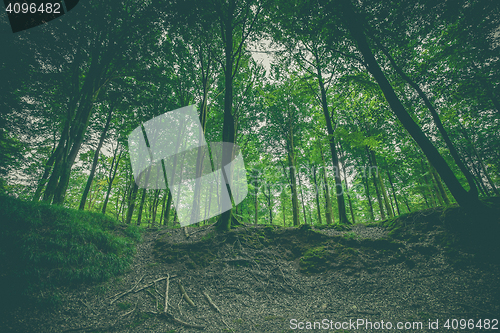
(370, 135)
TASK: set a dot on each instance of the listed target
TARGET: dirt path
(257, 284)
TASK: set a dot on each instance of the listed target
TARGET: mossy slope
(42, 246)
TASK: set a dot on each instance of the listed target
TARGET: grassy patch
(43, 245)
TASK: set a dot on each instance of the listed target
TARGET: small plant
(208, 236)
(350, 235)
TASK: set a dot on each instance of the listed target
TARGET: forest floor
(266, 278)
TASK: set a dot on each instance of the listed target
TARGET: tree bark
(326, 191)
(393, 191)
(96, 158)
(316, 187)
(437, 121)
(139, 217)
(131, 204)
(375, 183)
(335, 159)
(355, 24)
(112, 175)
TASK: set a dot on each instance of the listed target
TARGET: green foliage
(350, 235)
(43, 245)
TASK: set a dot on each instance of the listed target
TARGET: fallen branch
(166, 294)
(129, 312)
(212, 304)
(120, 295)
(183, 323)
(184, 294)
(151, 283)
(216, 308)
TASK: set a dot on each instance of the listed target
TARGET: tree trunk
(293, 181)
(302, 197)
(335, 159)
(316, 187)
(355, 24)
(366, 182)
(139, 217)
(381, 184)
(437, 121)
(393, 191)
(96, 158)
(256, 204)
(375, 183)
(326, 190)
(112, 175)
(167, 209)
(131, 205)
(224, 223)
(440, 186)
(346, 183)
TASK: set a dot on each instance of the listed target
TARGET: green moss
(43, 245)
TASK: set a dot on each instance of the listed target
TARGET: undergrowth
(43, 246)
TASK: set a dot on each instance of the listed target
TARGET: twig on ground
(183, 323)
(156, 298)
(166, 293)
(151, 283)
(212, 304)
(216, 308)
(184, 294)
(120, 295)
(129, 312)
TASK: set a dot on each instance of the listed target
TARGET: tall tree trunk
(293, 182)
(440, 186)
(256, 204)
(167, 209)
(112, 175)
(436, 198)
(268, 201)
(78, 128)
(346, 183)
(131, 204)
(316, 187)
(96, 158)
(393, 191)
(335, 159)
(381, 184)
(45, 176)
(326, 190)
(437, 121)
(283, 206)
(375, 183)
(366, 183)
(141, 207)
(302, 197)
(224, 223)
(355, 24)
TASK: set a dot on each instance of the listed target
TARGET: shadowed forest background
(346, 112)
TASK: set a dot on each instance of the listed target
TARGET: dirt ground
(265, 279)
